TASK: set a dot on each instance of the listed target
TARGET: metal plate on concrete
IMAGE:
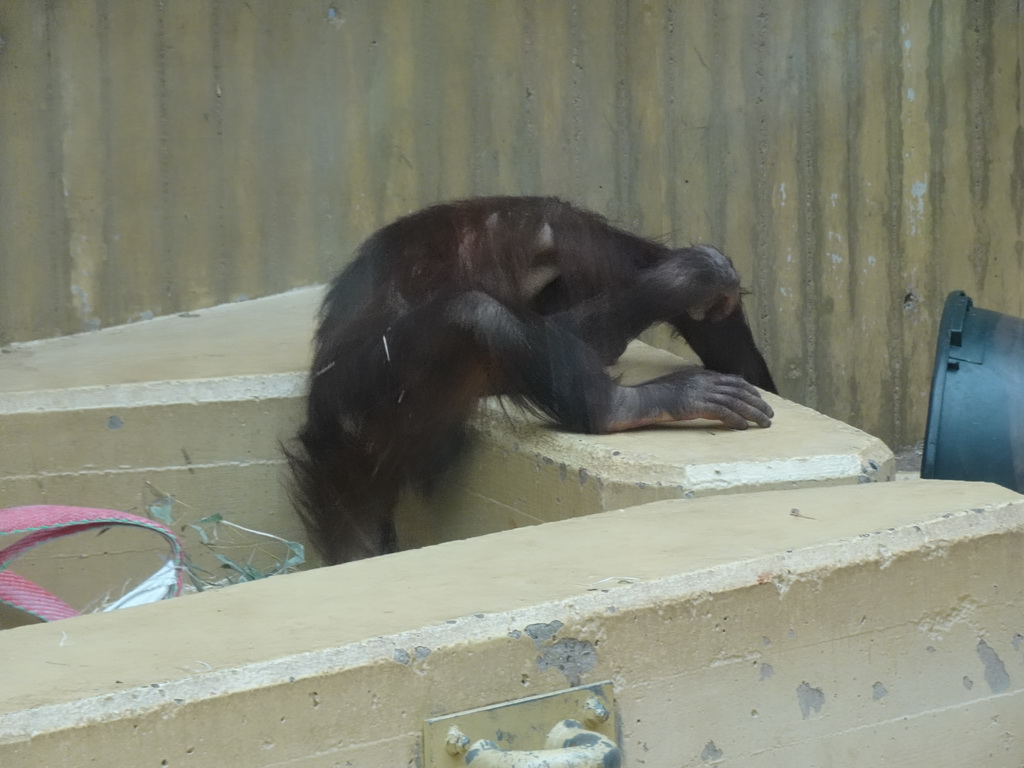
(522, 724)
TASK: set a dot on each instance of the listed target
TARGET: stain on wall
(995, 670)
(572, 657)
(857, 160)
(811, 700)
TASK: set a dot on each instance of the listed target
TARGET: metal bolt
(594, 712)
(457, 742)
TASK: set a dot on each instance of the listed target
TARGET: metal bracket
(573, 727)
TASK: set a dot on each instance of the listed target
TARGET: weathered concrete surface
(881, 625)
(195, 406)
(265, 337)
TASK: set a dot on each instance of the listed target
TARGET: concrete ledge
(881, 625)
(195, 405)
(522, 472)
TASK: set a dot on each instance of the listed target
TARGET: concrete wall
(858, 160)
(883, 627)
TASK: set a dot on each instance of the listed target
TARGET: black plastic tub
(976, 412)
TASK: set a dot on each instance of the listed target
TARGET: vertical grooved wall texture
(857, 160)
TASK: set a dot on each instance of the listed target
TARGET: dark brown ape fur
(525, 297)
